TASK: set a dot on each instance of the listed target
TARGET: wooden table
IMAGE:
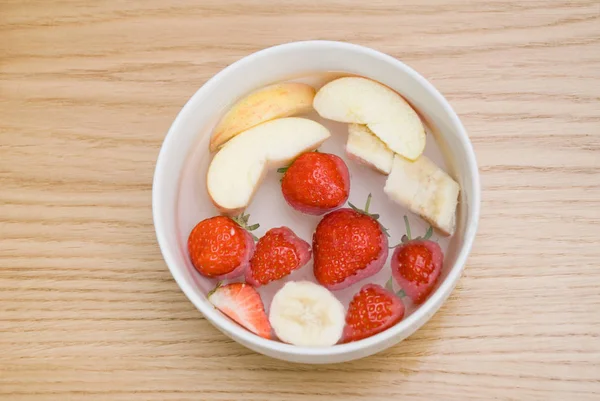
(88, 90)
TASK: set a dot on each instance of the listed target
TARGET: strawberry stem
(407, 225)
(390, 287)
(408, 237)
(368, 204)
(219, 284)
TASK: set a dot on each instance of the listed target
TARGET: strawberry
(278, 253)
(220, 247)
(349, 245)
(316, 183)
(417, 264)
(242, 303)
(371, 311)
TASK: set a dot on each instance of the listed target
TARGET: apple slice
(365, 148)
(271, 102)
(385, 112)
(237, 169)
(426, 190)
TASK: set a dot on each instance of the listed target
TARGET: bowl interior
(180, 199)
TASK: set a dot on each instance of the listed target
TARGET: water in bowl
(270, 209)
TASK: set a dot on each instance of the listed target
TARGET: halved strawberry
(277, 254)
(416, 265)
(371, 311)
(242, 303)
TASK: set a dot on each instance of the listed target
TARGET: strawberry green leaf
(385, 230)
(374, 216)
(401, 294)
(242, 220)
(282, 170)
(355, 208)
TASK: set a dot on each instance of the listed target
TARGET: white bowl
(179, 189)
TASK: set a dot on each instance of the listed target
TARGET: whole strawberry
(242, 303)
(316, 183)
(348, 245)
(416, 265)
(278, 253)
(220, 247)
(371, 311)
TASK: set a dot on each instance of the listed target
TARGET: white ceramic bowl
(173, 192)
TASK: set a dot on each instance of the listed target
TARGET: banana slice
(426, 190)
(307, 314)
(364, 147)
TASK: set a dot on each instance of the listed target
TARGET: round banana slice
(307, 314)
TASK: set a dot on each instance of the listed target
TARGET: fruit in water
(242, 303)
(365, 148)
(349, 245)
(278, 253)
(383, 111)
(307, 314)
(268, 103)
(425, 189)
(237, 170)
(316, 183)
(220, 247)
(416, 265)
(371, 311)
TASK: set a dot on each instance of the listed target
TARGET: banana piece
(307, 314)
(426, 190)
(364, 147)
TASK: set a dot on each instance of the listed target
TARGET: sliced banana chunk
(364, 147)
(426, 190)
(307, 314)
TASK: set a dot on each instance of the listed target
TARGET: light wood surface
(88, 309)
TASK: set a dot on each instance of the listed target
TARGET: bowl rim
(413, 322)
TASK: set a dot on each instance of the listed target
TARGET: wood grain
(88, 308)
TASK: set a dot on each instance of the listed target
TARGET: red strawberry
(220, 248)
(242, 303)
(349, 245)
(278, 253)
(371, 311)
(416, 265)
(316, 183)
